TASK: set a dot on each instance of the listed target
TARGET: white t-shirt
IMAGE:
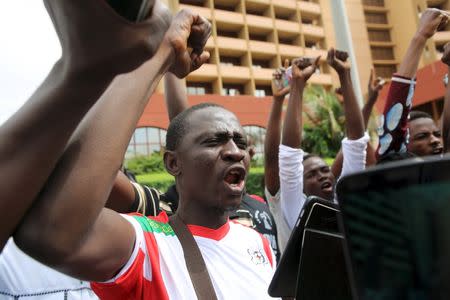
(290, 161)
(239, 260)
(23, 278)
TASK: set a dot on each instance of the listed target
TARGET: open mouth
(438, 150)
(326, 186)
(235, 178)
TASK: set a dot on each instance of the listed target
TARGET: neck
(209, 217)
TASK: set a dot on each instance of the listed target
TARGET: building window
(259, 63)
(232, 89)
(379, 35)
(263, 91)
(198, 88)
(193, 2)
(230, 61)
(381, 53)
(145, 141)
(227, 33)
(373, 2)
(258, 37)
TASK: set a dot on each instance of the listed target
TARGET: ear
(171, 163)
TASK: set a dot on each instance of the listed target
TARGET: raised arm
(273, 136)
(446, 112)
(353, 118)
(373, 89)
(355, 144)
(374, 86)
(393, 129)
(37, 134)
(174, 95)
(68, 228)
(290, 154)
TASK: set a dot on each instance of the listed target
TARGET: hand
(279, 91)
(446, 56)
(191, 30)
(339, 94)
(374, 86)
(338, 60)
(95, 39)
(430, 21)
(303, 68)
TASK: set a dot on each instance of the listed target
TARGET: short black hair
(310, 155)
(417, 114)
(178, 126)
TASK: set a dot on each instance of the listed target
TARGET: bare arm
(68, 228)
(353, 117)
(293, 121)
(446, 112)
(37, 134)
(374, 87)
(174, 95)
(272, 141)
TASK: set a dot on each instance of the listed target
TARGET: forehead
(313, 163)
(422, 125)
(212, 120)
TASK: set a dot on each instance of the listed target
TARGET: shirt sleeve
(291, 183)
(354, 153)
(129, 281)
(393, 130)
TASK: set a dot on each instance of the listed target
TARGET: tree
(324, 122)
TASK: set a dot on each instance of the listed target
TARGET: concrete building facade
(250, 38)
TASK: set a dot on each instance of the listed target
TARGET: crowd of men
(75, 226)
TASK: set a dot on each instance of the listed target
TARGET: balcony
(309, 10)
(384, 62)
(313, 32)
(262, 75)
(309, 52)
(290, 51)
(206, 73)
(262, 49)
(375, 9)
(287, 28)
(229, 20)
(436, 2)
(235, 74)
(381, 44)
(231, 46)
(203, 11)
(259, 23)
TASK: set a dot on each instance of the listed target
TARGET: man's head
(318, 180)
(207, 154)
(424, 136)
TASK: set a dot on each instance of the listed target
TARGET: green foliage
(324, 122)
(146, 164)
(162, 181)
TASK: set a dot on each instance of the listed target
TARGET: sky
(28, 49)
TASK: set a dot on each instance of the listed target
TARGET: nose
(231, 152)
(435, 140)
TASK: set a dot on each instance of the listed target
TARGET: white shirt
(239, 260)
(23, 278)
(292, 197)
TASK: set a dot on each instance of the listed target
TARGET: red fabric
(214, 234)
(267, 249)
(258, 198)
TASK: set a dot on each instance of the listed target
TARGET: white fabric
(22, 277)
(283, 231)
(291, 174)
(237, 263)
